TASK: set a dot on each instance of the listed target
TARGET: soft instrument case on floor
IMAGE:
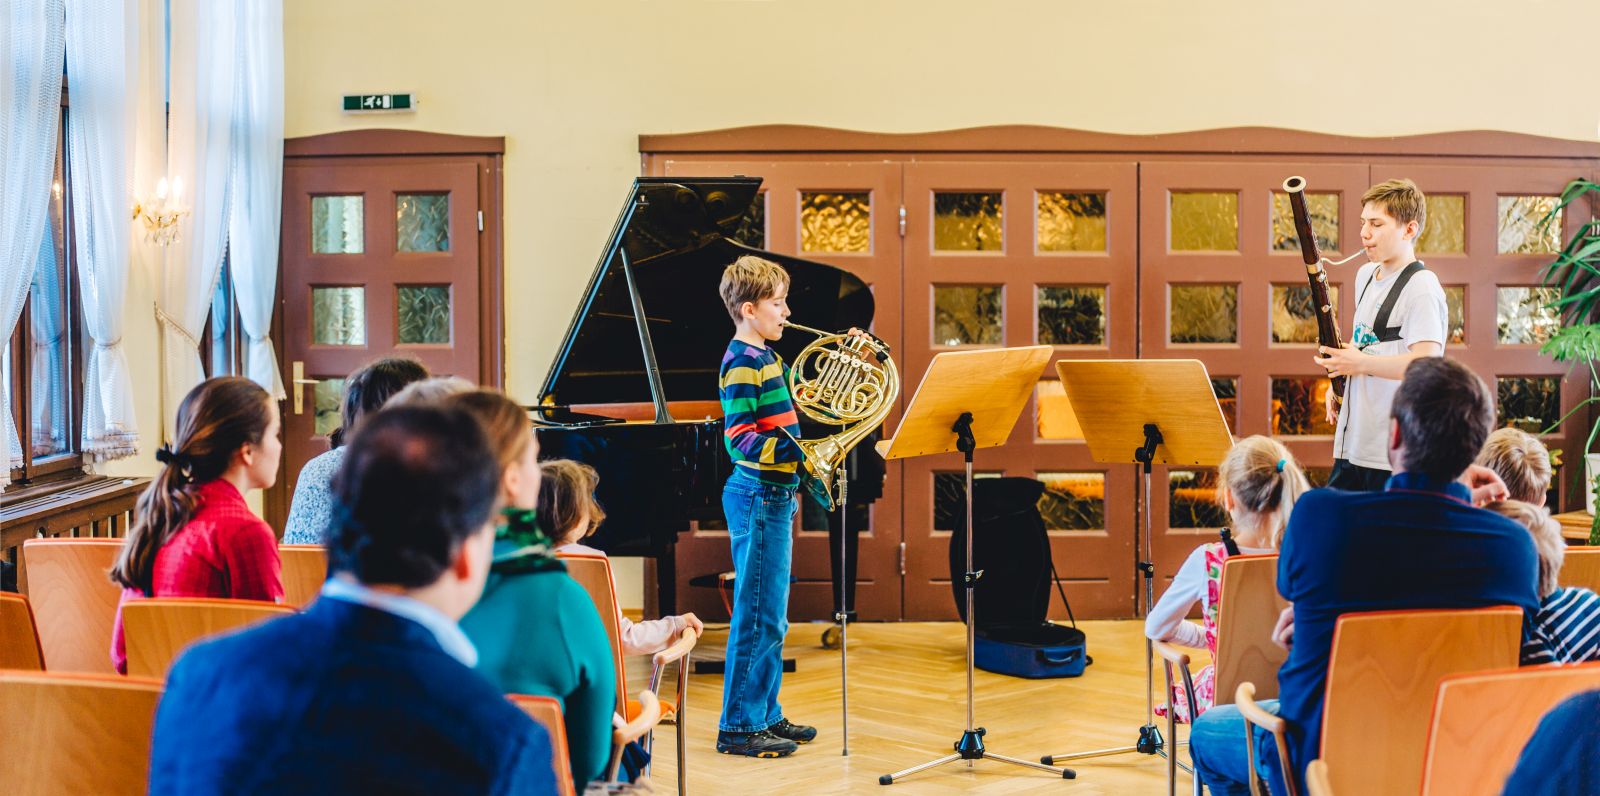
(1012, 598)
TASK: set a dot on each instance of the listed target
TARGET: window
(42, 364)
(221, 348)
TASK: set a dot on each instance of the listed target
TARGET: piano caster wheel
(830, 638)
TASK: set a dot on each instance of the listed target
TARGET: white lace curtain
(31, 32)
(103, 60)
(199, 153)
(257, 184)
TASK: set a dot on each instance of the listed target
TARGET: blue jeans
(1217, 747)
(760, 528)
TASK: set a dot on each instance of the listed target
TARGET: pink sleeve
(648, 637)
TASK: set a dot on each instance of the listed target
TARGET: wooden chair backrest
(1250, 608)
(76, 733)
(1382, 674)
(74, 600)
(19, 636)
(593, 573)
(1580, 567)
(157, 630)
(1481, 722)
(547, 711)
(305, 568)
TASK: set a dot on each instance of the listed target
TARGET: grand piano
(633, 390)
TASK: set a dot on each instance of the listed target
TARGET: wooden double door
(1135, 256)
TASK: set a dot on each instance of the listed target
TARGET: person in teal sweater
(536, 630)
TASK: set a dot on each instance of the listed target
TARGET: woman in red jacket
(192, 534)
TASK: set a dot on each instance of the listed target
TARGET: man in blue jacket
(1421, 543)
(371, 690)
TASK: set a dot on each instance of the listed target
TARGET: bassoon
(1327, 322)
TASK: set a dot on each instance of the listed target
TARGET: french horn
(845, 380)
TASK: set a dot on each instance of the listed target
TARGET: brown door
(380, 256)
(1222, 282)
(845, 215)
(1013, 254)
(1482, 241)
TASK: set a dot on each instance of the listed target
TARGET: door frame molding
(390, 143)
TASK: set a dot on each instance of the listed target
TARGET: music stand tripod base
(978, 396)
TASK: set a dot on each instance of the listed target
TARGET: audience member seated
(1563, 756)
(431, 391)
(1259, 484)
(1422, 543)
(536, 629)
(192, 533)
(364, 393)
(1521, 461)
(1567, 627)
(371, 690)
(567, 509)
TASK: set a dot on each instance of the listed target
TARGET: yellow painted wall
(572, 85)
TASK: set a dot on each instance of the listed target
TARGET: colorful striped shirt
(756, 410)
(1566, 629)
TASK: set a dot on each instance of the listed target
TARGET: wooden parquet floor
(908, 706)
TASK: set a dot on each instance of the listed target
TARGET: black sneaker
(799, 733)
(755, 744)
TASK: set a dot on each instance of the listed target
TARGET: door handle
(300, 381)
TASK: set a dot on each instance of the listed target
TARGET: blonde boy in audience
(1521, 461)
(1567, 627)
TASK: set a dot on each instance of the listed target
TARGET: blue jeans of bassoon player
(760, 528)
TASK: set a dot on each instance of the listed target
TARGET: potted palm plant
(1575, 273)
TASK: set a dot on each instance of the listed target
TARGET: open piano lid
(674, 233)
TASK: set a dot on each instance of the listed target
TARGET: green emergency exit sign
(374, 103)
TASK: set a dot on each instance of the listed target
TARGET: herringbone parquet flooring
(907, 706)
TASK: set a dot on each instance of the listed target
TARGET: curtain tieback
(172, 323)
(110, 343)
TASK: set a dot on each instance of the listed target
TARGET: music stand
(1145, 411)
(968, 400)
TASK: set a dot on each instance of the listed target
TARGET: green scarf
(531, 551)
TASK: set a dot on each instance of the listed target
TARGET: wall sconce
(162, 213)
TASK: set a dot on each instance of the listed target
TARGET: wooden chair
(1250, 609)
(1382, 672)
(305, 568)
(1580, 567)
(1481, 721)
(73, 600)
(1245, 651)
(19, 636)
(547, 711)
(594, 574)
(157, 630)
(76, 733)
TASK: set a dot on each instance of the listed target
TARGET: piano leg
(667, 581)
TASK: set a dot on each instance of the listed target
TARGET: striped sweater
(1566, 629)
(755, 406)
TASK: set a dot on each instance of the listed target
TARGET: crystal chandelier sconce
(162, 213)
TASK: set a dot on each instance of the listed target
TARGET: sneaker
(799, 733)
(755, 744)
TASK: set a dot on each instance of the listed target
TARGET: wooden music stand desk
(968, 400)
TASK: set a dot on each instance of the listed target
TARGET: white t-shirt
(1421, 314)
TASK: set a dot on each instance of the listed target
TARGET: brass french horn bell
(845, 380)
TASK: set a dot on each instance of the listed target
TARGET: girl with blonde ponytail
(1258, 483)
(192, 533)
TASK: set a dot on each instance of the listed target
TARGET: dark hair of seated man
(1444, 413)
(415, 485)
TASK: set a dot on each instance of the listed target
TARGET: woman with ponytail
(192, 534)
(1258, 484)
